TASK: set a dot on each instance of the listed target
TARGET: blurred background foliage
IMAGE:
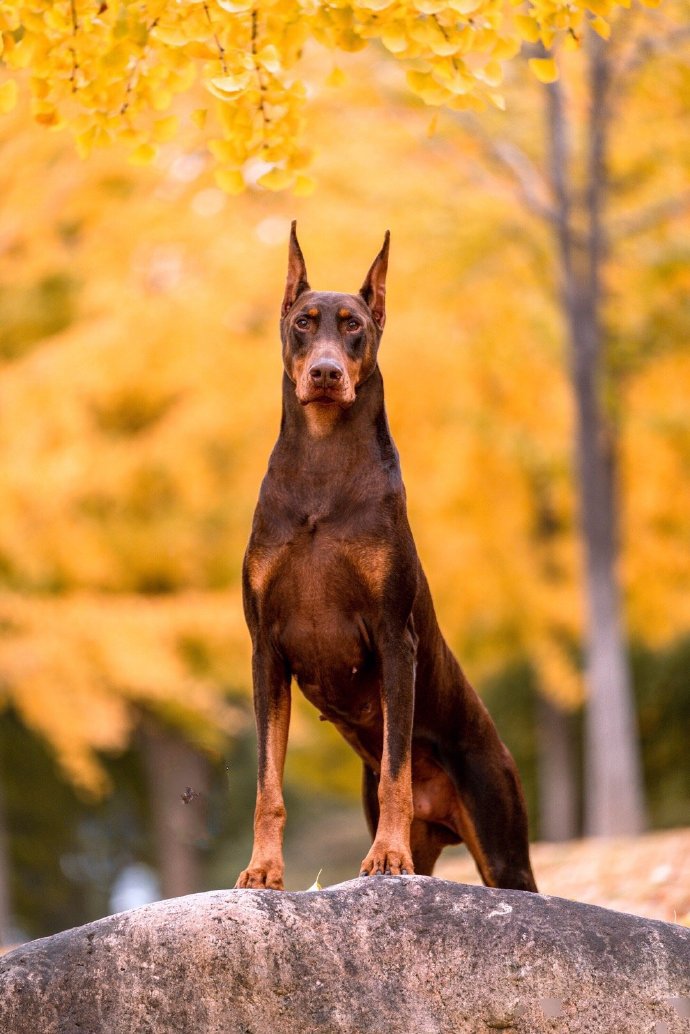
(139, 399)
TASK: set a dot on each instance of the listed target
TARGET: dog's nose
(326, 373)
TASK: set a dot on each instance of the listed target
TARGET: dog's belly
(342, 683)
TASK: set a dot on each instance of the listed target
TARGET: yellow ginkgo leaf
(164, 129)
(235, 6)
(505, 48)
(601, 27)
(144, 154)
(544, 68)
(8, 96)
(464, 6)
(336, 77)
(491, 74)
(269, 58)
(276, 179)
(316, 885)
(230, 180)
(394, 38)
(304, 186)
(351, 41)
(430, 6)
(225, 86)
(527, 27)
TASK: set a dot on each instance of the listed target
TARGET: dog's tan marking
(468, 833)
(266, 867)
(372, 561)
(321, 419)
(368, 360)
(354, 369)
(391, 851)
(344, 313)
(296, 371)
(261, 565)
(313, 312)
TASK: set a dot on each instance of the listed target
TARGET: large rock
(383, 954)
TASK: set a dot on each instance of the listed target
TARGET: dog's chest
(318, 592)
(319, 612)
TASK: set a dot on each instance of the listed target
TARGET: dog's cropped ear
(373, 290)
(297, 282)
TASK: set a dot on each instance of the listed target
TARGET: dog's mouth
(326, 398)
(321, 400)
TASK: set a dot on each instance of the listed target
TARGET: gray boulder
(382, 954)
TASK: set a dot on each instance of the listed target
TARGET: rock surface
(385, 954)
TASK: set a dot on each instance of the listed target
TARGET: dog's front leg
(390, 853)
(272, 712)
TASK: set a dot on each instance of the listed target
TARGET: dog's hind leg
(492, 816)
(370, 798)
(427, 841)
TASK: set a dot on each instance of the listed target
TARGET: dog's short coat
(335, 597)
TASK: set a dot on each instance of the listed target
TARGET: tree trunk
(556, 773)
(178, 783)
(613, 783)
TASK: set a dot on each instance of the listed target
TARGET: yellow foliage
(106, 72)
(133, 441)
(657, 528)
(545, 69)
(8, 96)
(73, 666)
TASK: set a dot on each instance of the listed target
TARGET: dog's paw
(261, 877)
(387, 859)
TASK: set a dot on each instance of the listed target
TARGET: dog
(336, 598)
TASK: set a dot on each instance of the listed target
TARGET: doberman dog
(335, 597)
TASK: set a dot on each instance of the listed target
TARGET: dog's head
(330, 340)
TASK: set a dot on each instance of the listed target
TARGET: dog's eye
(353, 325)
(302, 322)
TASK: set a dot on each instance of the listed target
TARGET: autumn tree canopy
(110, 69)
(135, 428)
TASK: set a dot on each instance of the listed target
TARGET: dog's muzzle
(325, 381)
(326, 374)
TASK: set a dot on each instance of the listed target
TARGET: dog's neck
(331, 439)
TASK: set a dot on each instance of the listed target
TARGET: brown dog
(335, 596)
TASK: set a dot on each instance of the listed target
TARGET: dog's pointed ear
(297, 282)
(373, 290)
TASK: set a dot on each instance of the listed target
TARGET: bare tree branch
(531, 185)
(559, 164)
(649, 217)
(648, 47)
